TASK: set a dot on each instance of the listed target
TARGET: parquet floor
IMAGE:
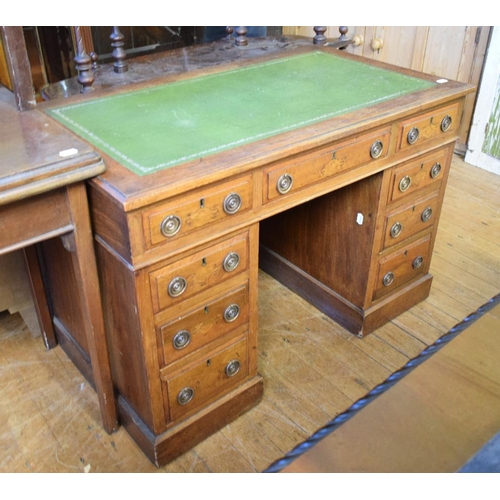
(313, 369)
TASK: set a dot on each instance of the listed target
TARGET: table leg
(39, 296)
(80, 243)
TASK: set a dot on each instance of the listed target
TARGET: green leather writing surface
(159, 127)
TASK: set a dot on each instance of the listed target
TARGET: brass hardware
(435, 170)
(232, 203)
(170, 226)
(185, 396)
(388, 279)
(181, 339)
(396, 229)
(232, 368)
(177, 286)
(404, 183)
(376, 149)
(426, 214)
(446, 123)
(284, 183)
(418, 262)
(231, 313)
(413, 135)
(231, 262)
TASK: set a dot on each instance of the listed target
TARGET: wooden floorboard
(313, 369)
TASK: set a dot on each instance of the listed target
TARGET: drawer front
(425, 171)
(293, 175)
(402, 266)
(439, 123)
(173, 220)
(186, 277)
(410, 219)
(212, 377)
(203, 325)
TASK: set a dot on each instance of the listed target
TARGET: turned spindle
(83, 64)
(229, 32)
(119, 55)
(320, 38)
(343, 32)
(241, 36)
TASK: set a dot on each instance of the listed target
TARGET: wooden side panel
(125, 336)
(109, 222)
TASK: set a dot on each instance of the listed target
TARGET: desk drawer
(292, 175)
(438, 123)
(200, 327)
(177, 218)
(216, 374)
(426, 171)
(410, 219)
(188, 276)
(402, 266)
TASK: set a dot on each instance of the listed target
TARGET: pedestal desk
(326, 170)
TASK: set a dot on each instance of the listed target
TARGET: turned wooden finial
(320, 38)
(119, 55)
(241, 35)
(229, 32)
(83, 64)
(343, 32)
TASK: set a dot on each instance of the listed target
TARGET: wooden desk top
(39, 155)
(131, 191)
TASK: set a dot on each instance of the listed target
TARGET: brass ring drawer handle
(446, 123)
(404, 183)
(418, 262)
(435, 170)
(181, 339)
(232, 368)
(388, 279)
(177, 286)
(231, 313)
(232, 203)
(170, 226)
(376, 149)
(284, 183)
(426, 214)
(231, 261)
(185, 395)
(413, 135)
(396, 229)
